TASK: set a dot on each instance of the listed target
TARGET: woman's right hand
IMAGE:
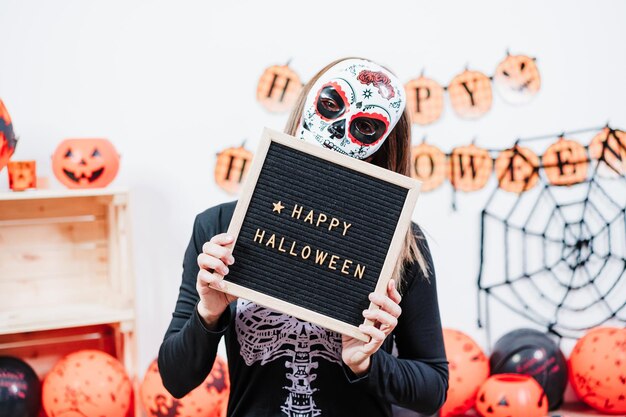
(213, 263)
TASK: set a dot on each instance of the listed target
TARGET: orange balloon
(210, 399)
(506, 395)
(469, 368)
(597, 369)
(87, 383)
(85, 163)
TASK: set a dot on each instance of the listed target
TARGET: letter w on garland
(554, 250)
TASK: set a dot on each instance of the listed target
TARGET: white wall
(172, 83)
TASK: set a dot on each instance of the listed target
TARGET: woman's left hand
(356, 353)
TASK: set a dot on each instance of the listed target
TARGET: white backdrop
(171, 83)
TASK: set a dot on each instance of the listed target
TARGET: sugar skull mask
(352, 108)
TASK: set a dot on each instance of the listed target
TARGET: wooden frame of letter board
(366, 168)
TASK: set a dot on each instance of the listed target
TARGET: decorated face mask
(352, 108)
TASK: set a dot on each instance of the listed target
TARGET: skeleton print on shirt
(266, 335)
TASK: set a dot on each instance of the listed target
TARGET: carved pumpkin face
(517, 79)
(565, 162)
(469, 368)
(7, 137)
(517, 169)
(597, 367)
(470, 94)
(424, 100)
(428, 164)
(231, 168)
(511, 395)
(85, 163)
(609, 146)
(278, 88)
(469, 168)
(22, 175)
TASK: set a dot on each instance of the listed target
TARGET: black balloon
(20, 389)
(530, 352)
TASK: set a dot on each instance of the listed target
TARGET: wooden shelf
(61, 317)
(66, 277)
(60, 193)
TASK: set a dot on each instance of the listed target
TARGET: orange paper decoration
(511, 395)
(470, 94)
(597, 368)
(469, 168)
(517, 169)
(278, 88)
(424, 100)
(232, 167)
(7, 137)
(22, 175)
(609, 146)
(517, 79)
(428, 165)
(87, 383)
(210, 399)
(469, 368)
(85, 163)
(565, 162)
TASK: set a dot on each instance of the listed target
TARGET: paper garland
(516, 78)
(517, 169)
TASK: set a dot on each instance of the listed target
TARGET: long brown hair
(394, 155)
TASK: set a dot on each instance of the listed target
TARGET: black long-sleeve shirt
(282, 366)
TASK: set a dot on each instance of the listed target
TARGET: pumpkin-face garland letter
(565, 162)
(231, 168)
(470, 94)
(278, 88)
(428, 164)
(424, 100)
(85, 163)
(517, 79)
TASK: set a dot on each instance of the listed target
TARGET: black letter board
(317, 231)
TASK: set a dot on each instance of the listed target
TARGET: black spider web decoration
(556, 255)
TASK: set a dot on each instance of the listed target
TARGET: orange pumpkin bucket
(511, 395)
(85, 163)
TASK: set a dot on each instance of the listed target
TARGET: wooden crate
(66, 276)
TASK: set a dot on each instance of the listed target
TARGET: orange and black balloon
(7, 136)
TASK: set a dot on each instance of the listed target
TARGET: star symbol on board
(277, 207)
(367, 93)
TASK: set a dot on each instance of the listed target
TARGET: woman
(280, 365)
